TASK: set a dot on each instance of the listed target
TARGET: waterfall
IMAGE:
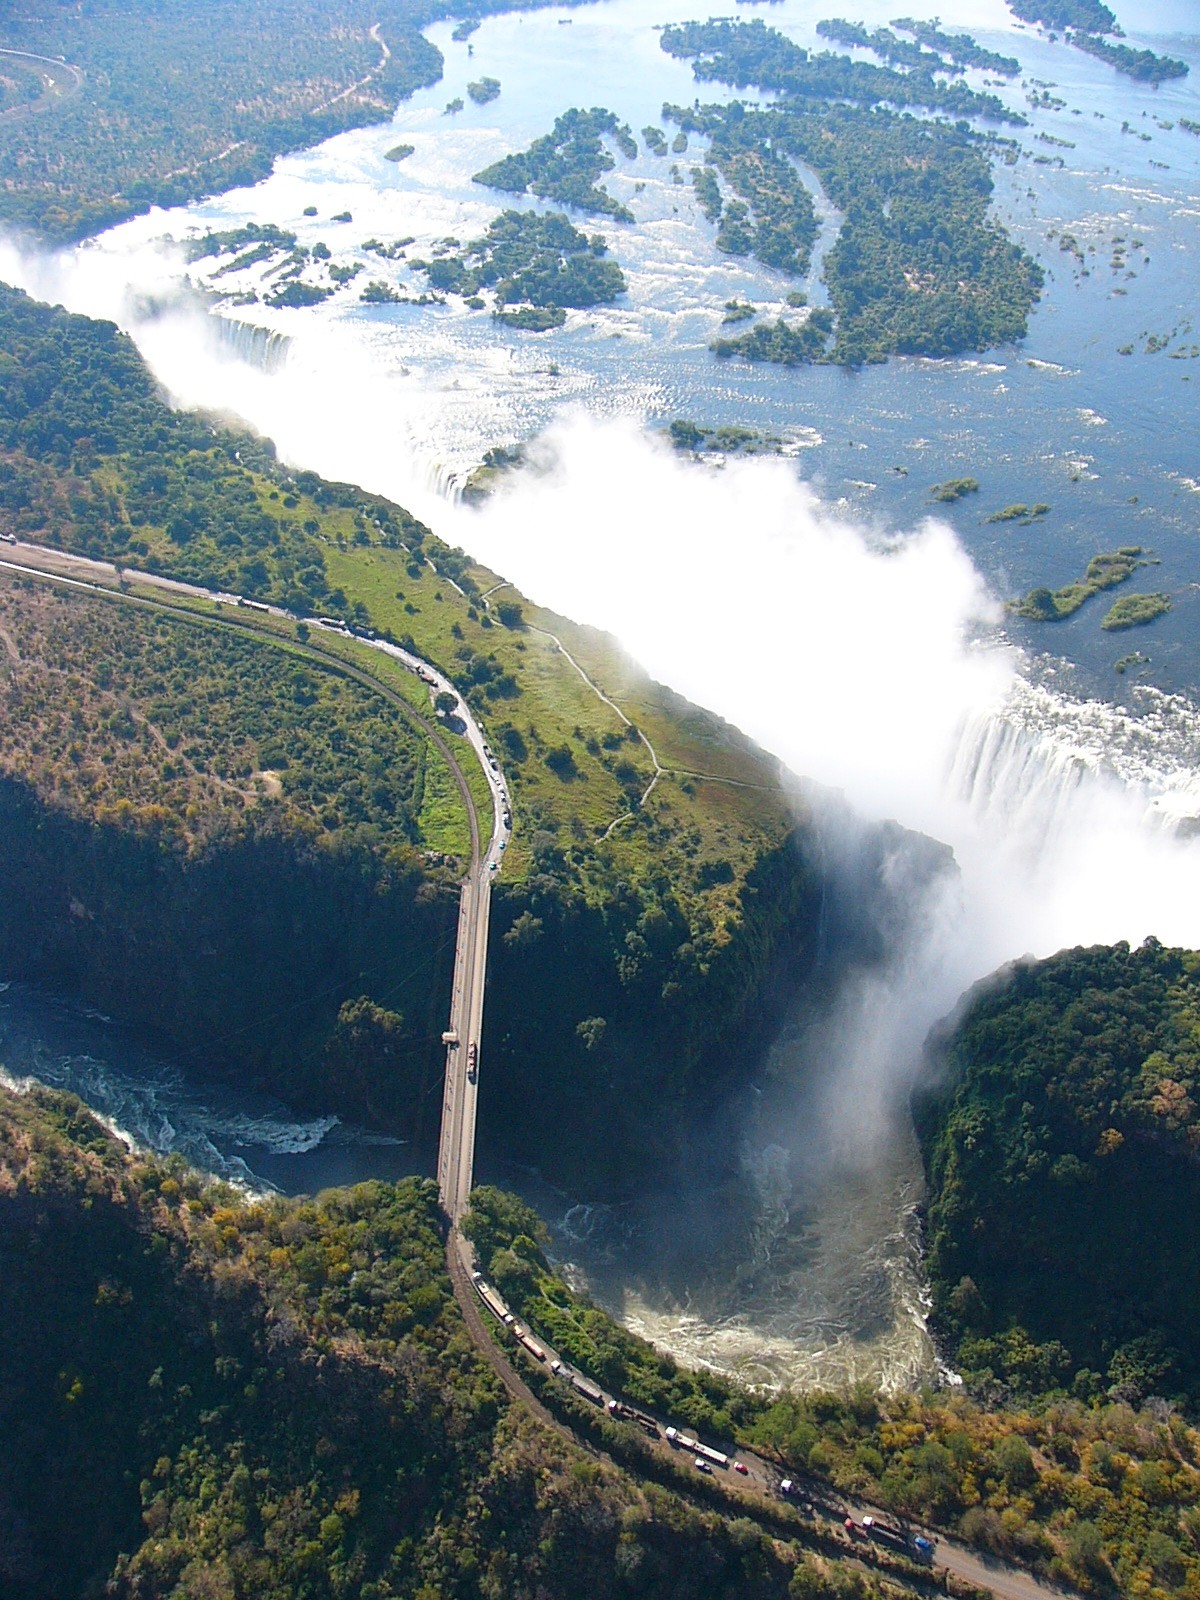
(264, 348)
(1040, 764)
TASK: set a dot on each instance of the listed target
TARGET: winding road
(464, 1034)
(61, 81)
(753, 1485)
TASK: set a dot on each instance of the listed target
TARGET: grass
(702, 834)
(688, 823)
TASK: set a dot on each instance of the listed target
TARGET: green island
(533, 262)
(885, 44)
(659, 902)
(1134, 659)
(1092, 15)
(566, 164)
(788, 344)
(1104, 571)
(1144, 65)
(533, 319)
(399, 152)
(178, 102)
(727, 440)
(1135, 611)
(954, 489)
(773, 219)
(1021, 513)
(919, 266)
(751, 53)
(960, 48)
(484, 91)
(655, 141)
(1084, 22)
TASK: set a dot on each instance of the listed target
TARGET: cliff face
(1064, 1188)
(607, 1030)
(240, 955)
(206, 1397)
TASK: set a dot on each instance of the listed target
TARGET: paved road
(61, 79)
(748, 1474)
(464, 1034)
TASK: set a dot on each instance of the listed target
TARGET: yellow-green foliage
(205, 1396)
(127, 714)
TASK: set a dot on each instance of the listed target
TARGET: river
(882, 663)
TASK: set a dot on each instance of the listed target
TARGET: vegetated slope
(180, 100)
(644, 935)
(206, 1397)
(1064, 1240)
(920, 266)
(119, 712)
(223, 840)
(1101, 1497)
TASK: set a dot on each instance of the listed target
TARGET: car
(740, 1466)
(701, 1465)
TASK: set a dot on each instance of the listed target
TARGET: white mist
(869, 664)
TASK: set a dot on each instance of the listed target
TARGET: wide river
(874, 653)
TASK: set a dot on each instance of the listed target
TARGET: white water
(868, 661)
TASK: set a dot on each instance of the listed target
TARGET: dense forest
(209, 1398)
(1064, 1188)
(567, 163)
(179, 101)
(1099, 1495)
(530, 258)
(919, 267)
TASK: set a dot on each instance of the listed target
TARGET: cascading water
(264, 348)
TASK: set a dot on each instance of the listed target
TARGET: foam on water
(240, 1137)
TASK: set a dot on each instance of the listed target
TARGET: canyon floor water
(814, 599)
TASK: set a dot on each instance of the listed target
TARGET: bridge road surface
(456, 1149)
(456, 1154)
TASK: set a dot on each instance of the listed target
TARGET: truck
(472, 1062)
(683, 1441)
(628, 1413)
(586, 1389)
(531, 1344)
(896, 1538)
